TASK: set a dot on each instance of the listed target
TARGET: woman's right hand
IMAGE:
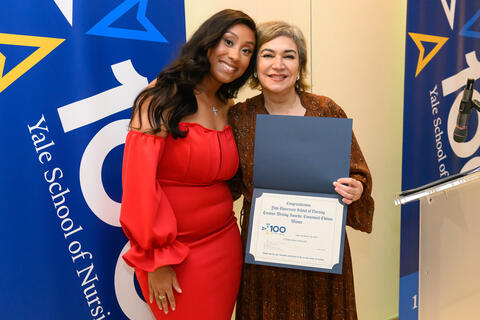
(160, 283)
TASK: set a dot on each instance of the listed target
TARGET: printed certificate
(297, 220)
(296, 230)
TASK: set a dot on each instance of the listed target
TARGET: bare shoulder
(152, 84)
(141, 116)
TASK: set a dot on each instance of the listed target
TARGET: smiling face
(278, 65)
(230, 57)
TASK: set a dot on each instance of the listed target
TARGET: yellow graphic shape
(45, 46)
(418, 38)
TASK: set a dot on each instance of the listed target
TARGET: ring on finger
(161, 297)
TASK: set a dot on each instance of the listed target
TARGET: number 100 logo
(274, 229)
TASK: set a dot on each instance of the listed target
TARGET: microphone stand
(467, 107)
(465, 110)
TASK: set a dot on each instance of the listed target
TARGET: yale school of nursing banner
(69, 71)
(442, 42)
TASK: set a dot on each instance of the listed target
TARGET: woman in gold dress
(272, 293)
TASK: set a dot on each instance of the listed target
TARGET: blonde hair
(267, 31)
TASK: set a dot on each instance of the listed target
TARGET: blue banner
(441, 43)
(69, 71)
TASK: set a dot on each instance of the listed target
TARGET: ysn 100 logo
(273, 228)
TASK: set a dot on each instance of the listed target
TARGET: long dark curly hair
(172, 97)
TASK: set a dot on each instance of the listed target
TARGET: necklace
(293, 110)
(214, 110)
(290, 112)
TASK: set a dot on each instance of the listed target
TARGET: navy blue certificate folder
(299, 156)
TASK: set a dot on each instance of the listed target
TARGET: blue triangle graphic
(469, 33)
(128, 20)
(103, 28)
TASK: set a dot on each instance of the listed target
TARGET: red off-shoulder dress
(177, 210)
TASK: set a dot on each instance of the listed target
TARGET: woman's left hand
(350, 189)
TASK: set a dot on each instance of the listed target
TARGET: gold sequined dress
(271, 293)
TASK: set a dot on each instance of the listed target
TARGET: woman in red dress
(179, 153)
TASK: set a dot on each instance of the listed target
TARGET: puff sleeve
(146, 215)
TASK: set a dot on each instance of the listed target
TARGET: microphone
(465, 109)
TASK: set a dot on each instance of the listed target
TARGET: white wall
(356, 52)
(358, 60)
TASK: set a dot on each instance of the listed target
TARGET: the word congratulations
(38, 133)
(298, 204)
